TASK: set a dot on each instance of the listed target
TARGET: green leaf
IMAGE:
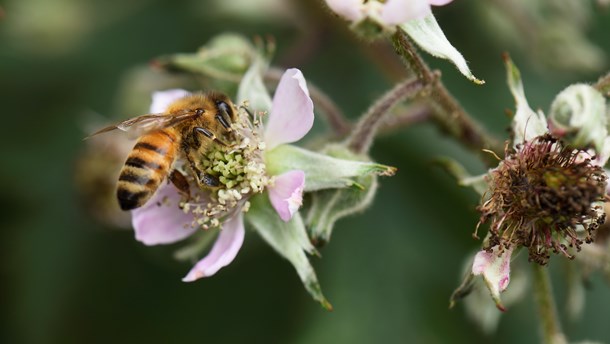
(321, 171)
(289, 239)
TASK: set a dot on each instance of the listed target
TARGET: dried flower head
(546, 197)
(547, 194)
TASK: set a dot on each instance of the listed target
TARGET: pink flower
(495, 268)
(162, 221)
(392, 12)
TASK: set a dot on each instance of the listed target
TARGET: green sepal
(578, 115)
(252, 87)
(289, 239)
(224, 57)
(527, 123)
(429, 36)
(321, 171)
(328, 206)
(478, 183)
(198, 242)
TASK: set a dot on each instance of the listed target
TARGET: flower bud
(225, 57)
(578, 116)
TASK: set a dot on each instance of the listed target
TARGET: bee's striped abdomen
(147, 165)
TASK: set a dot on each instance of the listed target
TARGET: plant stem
(335, 118)
(362, 136)
(543, 293)
(603, 85)
(414, 114)
(448, 115)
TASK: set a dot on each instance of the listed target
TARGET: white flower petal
(495, 270)
(439, 2)
(396, 12)
(428, 35)
(223, 252)
(291, 114)
(160, 220)
(162, 99)
(286, 193)
(348, 9)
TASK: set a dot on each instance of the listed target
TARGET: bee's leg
(180, 182)
(209, 180)
(207, 133)
(203, 179)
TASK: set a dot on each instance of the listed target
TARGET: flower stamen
(544, 196)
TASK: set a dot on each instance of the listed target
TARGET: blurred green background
(389, 272)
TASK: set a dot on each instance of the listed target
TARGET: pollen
(544, 196)
(240, 169)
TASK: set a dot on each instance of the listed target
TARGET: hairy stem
(335, 118)
(543, 293)
(362, 136)
(603, 85)
(414, 114)
(448, 114)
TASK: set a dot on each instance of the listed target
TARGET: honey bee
(189, 126)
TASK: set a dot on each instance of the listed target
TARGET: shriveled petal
(396, 12)
(291, 114)
(495, 270)
(484, 312)
(348, 9)
(439, 2)
(162, 99)
(223, 252)
(286, 194)
(160, 220)
(527, 124)
(602, 157)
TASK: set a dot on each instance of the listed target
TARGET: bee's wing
(144, 124)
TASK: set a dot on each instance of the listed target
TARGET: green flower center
(240, 169)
